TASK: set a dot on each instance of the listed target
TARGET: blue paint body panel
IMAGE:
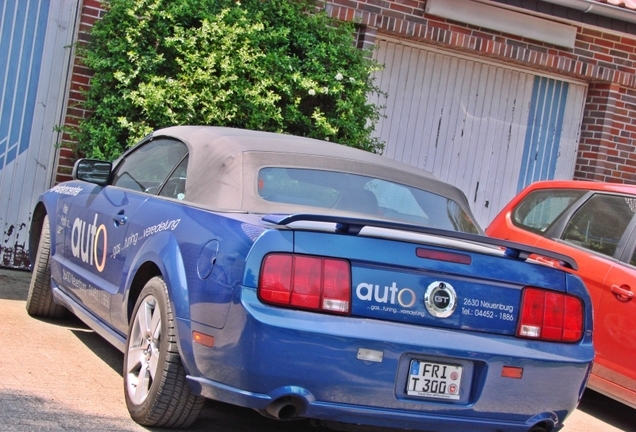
(104, 240)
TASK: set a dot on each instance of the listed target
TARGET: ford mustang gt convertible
(305, 279)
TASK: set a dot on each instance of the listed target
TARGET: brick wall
(91, 11)
(606, 149)
(603, 58)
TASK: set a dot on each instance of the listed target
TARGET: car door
(616, 325)
(597, 233)
(155, 217)
(93, 270)
(99, 216)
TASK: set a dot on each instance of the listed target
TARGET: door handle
(623, 293)
(120, 219)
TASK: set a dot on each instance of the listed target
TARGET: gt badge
(440, 299)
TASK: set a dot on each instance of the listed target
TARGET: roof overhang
(481, 14)
(598, 8)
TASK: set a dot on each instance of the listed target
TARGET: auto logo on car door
(440, 299)
(86, 241)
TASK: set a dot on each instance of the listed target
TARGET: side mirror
(92, 171)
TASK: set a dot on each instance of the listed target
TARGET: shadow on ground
(25, 412)
(608, 410)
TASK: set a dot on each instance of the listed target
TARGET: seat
(360, 201)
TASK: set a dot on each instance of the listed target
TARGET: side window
(541, 208)
(147, 167)
(175, 185)
(600, 223)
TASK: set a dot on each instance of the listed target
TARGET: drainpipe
(604, 9)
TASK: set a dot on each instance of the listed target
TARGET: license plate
(434, 380)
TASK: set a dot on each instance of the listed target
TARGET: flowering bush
(277, 65)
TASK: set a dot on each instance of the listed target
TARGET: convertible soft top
(224, 164)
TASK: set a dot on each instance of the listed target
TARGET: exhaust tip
(540, 427)
(285, 408)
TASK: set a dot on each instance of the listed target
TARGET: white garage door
(34, 58)
(487, 128)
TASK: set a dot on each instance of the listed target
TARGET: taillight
(551, 316)
(306, 282)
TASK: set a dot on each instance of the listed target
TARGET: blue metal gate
(543, 136)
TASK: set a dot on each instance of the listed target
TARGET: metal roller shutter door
(488, 128)
(34, 59)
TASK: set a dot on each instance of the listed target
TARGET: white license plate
(434, 380)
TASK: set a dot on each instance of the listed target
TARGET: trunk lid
(429, 277)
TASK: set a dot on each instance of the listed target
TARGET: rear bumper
(307, 365)
(308, 407)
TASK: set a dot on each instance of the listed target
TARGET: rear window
(541, 208)
(369, 196)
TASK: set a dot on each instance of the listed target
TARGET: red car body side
(610, 275)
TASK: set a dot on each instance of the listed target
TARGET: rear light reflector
(512, 372)
(203, 339)
(306, 282)
(550, 316)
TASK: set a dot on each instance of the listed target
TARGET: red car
(594, 223)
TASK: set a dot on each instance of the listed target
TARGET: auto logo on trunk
(440, 299)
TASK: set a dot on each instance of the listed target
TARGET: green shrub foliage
(276, 65)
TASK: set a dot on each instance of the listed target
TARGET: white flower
(352, 79)
(326, 138)
(325, 90)
(312, 92)
(339, 76)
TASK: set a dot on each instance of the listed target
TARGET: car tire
(155, 386)
(40, 301)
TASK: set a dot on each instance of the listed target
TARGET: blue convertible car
(305, 279)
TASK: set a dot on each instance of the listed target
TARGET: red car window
(540, 208)
(600, 223)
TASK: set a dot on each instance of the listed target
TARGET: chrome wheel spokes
(143, 350)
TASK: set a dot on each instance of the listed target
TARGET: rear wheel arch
(145, 272)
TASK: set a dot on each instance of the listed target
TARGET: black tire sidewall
(40, 302)
(40, 272)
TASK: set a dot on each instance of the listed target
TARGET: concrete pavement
(58, 375)
(53, 376)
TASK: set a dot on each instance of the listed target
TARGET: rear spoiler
(353, 226)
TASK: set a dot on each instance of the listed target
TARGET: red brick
(627, 40)
(609, 108)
